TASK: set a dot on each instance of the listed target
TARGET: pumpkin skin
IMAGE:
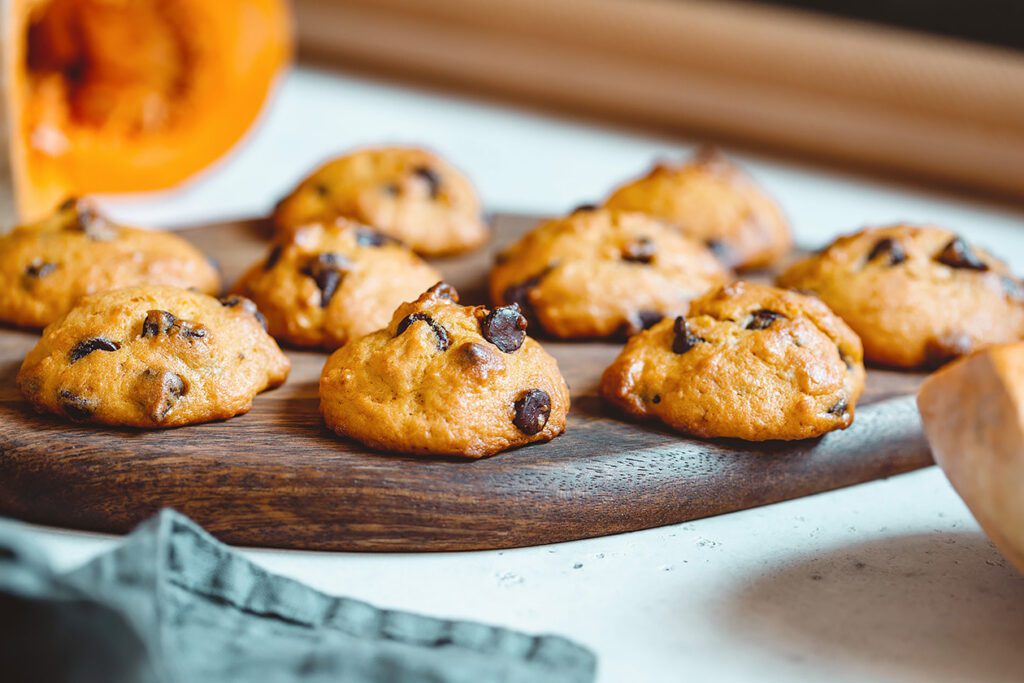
(108, 96)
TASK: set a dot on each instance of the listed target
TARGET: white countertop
(888, 581)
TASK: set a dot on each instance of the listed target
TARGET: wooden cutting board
(277, 477)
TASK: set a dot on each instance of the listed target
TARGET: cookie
(600, 272)
(712, 200)
(46, 267)
(445, 379)
(329, 283)
(917, 295)
(749, 361)
(152, 356)
(407, 193)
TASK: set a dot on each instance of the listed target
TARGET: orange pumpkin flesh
(132, 95)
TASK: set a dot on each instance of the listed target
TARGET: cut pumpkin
(130, 95)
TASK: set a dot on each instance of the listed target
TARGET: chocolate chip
(39, 268)
(505, 327)
(639, 251)
(649, 319)
(76, 407)
(585, 207)
(533, 408)
(68, 204)
(87, 346)
(327, 270)
(432, 178)
(839, 409)
(1013, 288)
(321, 190)
(720, 249)
(478, 359)
(247, 305)
(520, 294)
(273, 257)
(656, 398)
(890, 248)
(444, 290)
(367, 237)
(79, 215)
(958, 254)
(189, 330)
(762, 319)
(159, 391)
(684, 339)
(443, 340)
(157, 322)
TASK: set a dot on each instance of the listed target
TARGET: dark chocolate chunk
(684, 339)
(75, 406)
(839, 409)
(432, 178)
(87, 346)
(159, 391)
(585, 207)
(39, 268)
(656, 398)
(638, 322)
(505, 327)
(189, 330)
(639, 251)
(81, 216)
(520, 294)
(443, 340)
(533, 408)
(327, 270)
(445, 291)
(273, 257)
(368, 237)
(649, 319)
(958, 254)
(762, 319)
(891, 249)
(247, 305)
(157, 322)
(321, 190)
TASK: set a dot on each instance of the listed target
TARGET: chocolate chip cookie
(407, 193)
(748, 361)
(151, 357)
(917, 295)
(46, 267)
(445, 379)
(602, 272)
(331, 282)
(712, 200)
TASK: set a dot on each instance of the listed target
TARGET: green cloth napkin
(173, 605)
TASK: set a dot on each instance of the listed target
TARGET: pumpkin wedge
(130, 95)
(973, 414)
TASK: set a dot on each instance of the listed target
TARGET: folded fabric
(173, 605)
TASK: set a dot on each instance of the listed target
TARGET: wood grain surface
(277, 477)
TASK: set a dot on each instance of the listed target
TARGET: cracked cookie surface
(329, 283)
(152, 357)
(600, 273)
(408, 193)
(917, 295)
(46, 267)
(712, 200)
(445, 379)
(749, 361)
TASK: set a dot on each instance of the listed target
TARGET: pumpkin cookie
(445, 379)
(152, 356)
(329, 283)
(749, 361)
(917, 295)
(599, 272)
(712, 200)
(46, 267)
(410, 194)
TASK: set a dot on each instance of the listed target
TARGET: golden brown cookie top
(153, 356)
(748, 361)
(445, 379)
(712, 200)
(328, 283)
(47, 266)
(408, 193)
(916, 294)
